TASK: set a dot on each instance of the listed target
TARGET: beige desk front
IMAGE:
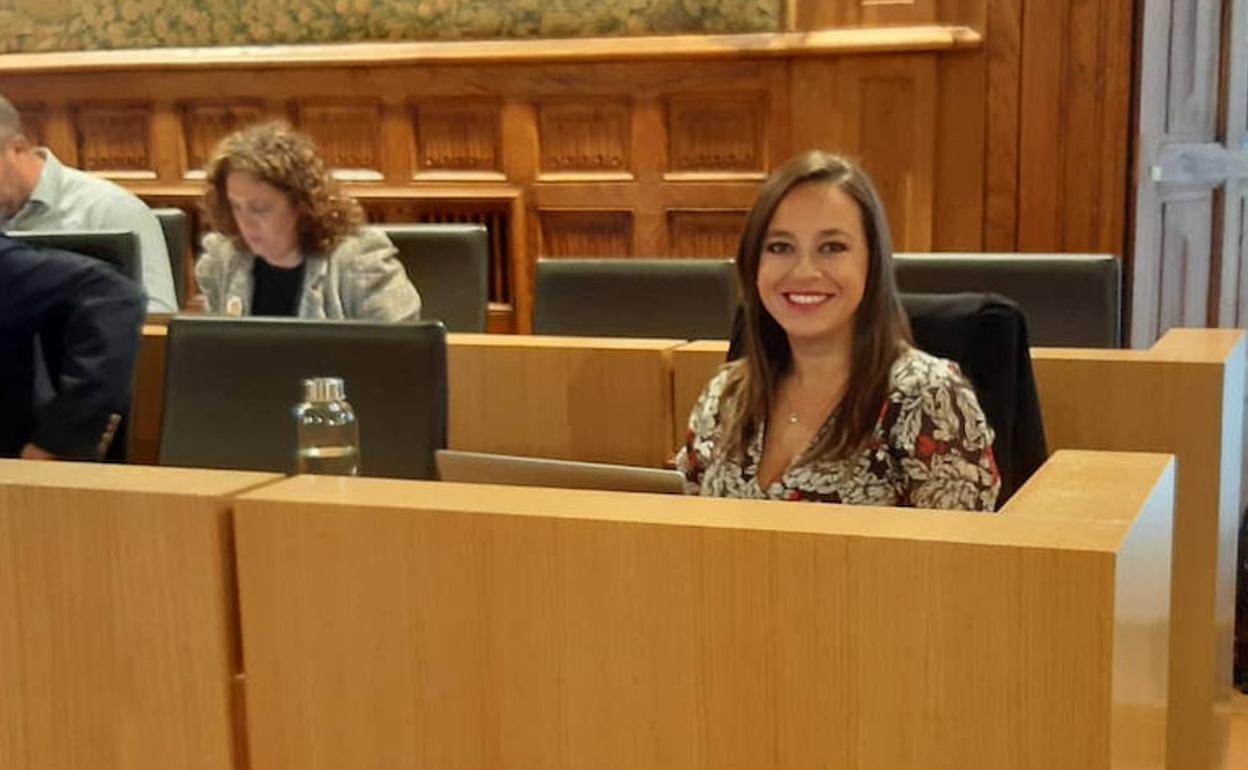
(118, 630)
(1184, 396)
(414, 624)
(583, 398)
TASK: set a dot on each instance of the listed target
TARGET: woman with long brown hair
(831, 401)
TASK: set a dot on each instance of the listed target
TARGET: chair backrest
(634, 297)
(450, 266)
(230, 385)
(175, 228)
(119, 248)
(1070, 300)
(986, 335)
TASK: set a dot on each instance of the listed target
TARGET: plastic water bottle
(327, 434)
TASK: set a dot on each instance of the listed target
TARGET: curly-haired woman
(287, 242)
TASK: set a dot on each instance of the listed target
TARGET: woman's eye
(778, 247)
(832, 247)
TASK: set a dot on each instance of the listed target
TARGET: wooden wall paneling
(1002, 108)
(204, 124)
(115, 139)
(1073, 139)
(887, 107)
(713, 233)
(585, 233)
(1186, 241)
(814, 115)
(396, 142)
(650, 136)
(167, 148)
(958, 190)
(347, 134)
(580, 137)
(711, 133)
(34, 121)
(458, 136)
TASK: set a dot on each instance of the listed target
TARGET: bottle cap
(323, 389)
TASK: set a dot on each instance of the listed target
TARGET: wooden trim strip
(756, 45)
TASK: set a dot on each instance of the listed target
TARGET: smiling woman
(831, 401)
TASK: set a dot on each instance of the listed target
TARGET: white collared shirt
(67, 199)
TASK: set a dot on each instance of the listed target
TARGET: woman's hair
(288, 160)
(880, 327)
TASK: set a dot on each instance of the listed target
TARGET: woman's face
(812, 271)
(267, 220)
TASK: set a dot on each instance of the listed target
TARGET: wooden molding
(757, 45)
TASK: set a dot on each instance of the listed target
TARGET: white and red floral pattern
(931, 448)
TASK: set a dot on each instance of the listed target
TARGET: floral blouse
(931, 448)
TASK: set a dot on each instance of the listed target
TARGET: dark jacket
(85, 319)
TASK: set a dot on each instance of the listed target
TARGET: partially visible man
(88, 319)
(38, 192)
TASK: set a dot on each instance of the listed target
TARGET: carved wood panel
(705, 233)
(34, 121)
(592, 136)
(585, 233)
(1186, 240)
(457, 136)
(114, 138)
(205, 124)
(717, 133)
(347, 135)
(887, 116)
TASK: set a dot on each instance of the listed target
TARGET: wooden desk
(601, 399)
(1184, 396)
(583, 398)
(416, 624)
(118, 626)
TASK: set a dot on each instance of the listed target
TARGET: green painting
(74, 25)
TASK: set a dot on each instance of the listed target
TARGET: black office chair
(119, 248)
(174, 226)
(450, 266)
(632, 297)
(230, 385)
(1070, 300)
(986, 335)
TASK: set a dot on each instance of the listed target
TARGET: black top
(276, 289)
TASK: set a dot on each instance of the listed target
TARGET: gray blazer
(360, 279)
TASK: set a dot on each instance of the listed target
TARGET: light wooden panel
(693, 365)
(147, 408)
(602, 400)
(118, 627)
(1184, 396)
(447, 625)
